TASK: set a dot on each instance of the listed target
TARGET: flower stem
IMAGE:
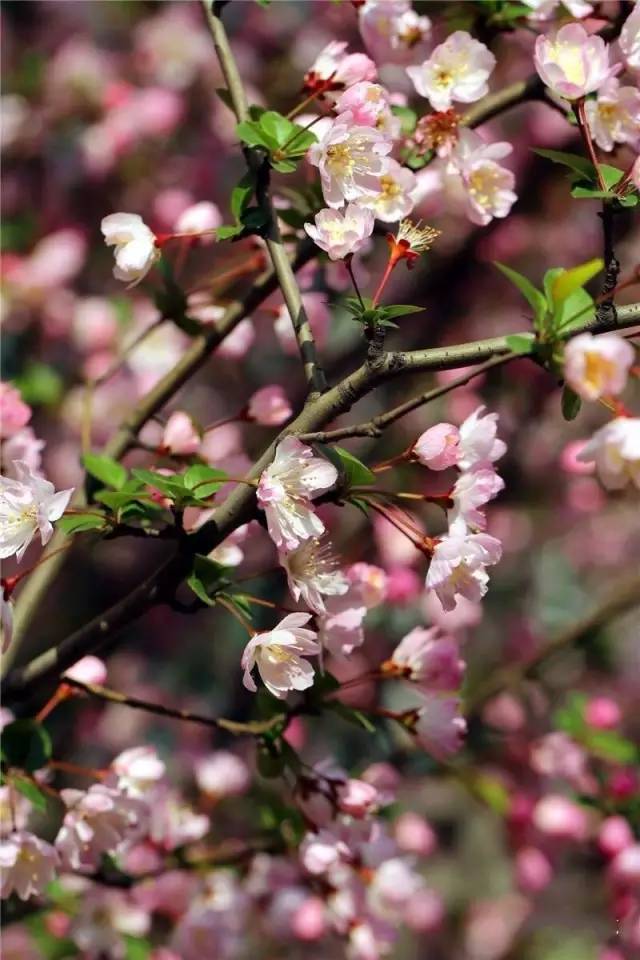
(581, 117)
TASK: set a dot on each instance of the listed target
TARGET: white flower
(615, 448)
(615, 116)
(351, 160)
(28, 505)
(28, 865)
(458, 565)
(137, 770)
(312, 574)
(294, 478)
(135, 246)
(344, 68)
(439, 728)
(572, 63)
(458, 69)
(597, 367)
(341, 234)
(393, 32)
(545, 9)
(278, 656)
(397, 197)
(477, 440)
(472, 490)
(99, 820)
(483, 186)
(629, 39)
(200, 218)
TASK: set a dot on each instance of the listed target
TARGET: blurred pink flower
(14, 412)
(180, 435)
(439, 727)
(269, 406)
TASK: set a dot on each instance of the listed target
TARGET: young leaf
(31, 791)
(105, 469)
(355, 472)
(573, 311)
(571, 403)
(277, 127)
(79, 522)
(241, 195)
(534, 297)
(203, 481)
(26, 744)
(207, 578)
(567, 281)
(521, 343)
(572, 160)
(400, 310)
(229, 231)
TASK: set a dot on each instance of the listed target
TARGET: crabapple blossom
(438, 726)
(340, 626)
(615, 449)
(572, 63)
(341, 233)
(135, 246)
(351, 160)
(357, 798)
(278, 656)
(596, 367)
(222, 774)
(437, 447)
(559, 818)
(556, 755)
(98, 821)
(172, 821)
(546, 9)
(457, 69)
(625, 867)
(88, 669)
(393, 883)
(269, 406)
(392, 31)
(14, 413)
(629, 39)
(23, 446)
(396, 199)
(28, 505)
(312, 574)
(429, 658)
(14, 810)
(369, 106)
(614, 117)
(533, 870)
(414, 835)
(478, 442)
(474, 178)
(458, 565)
(473, 489)
(137, 770)
(28, 865)
(201, 218)
(342, 68)
(614, 835)
(180, 435)
(287, 486)
(602, 713)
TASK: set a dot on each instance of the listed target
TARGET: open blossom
(429, 658)
(98, 821)
(614, 117)
(475, 179)
(615, 448)
(629, 39)
(473, 489)
(438, 726)
(572, 63)
(28, 505)
(458, 565)
(172, 822)
(478, 442)
(410, 242)
(343, 68)
(341, 233)
(278, 655)
(597, 367)
(351, 159)
(458, 69)
(392, 885)
(269, 406)
(180, 435)
(27, 864)
(14, 412)
(437, 448)
(370, 106)
(137, 770)
(340, 627)
(135, 246)
(23, 446)
(200, 218)
(312, 573)
(393, 32)
(397, 196)
(294, 478)
(357, 798)
(222, 774)
(546, 9)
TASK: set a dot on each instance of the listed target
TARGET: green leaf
(203, 481)
(590, 193)
(284, 166)
(631, 200)
(277, 127)
(255, 218)
(521, 343)
(610, 175)
(407, 117)
(105, 469)
(567, 281)
(207, 578)
(353, 472)
(351, 715)
(79, 522)
(228, 231)
(571, 403)
(26, 744)
(252, 134)
(136, 948)
(40, 385)
(573, 311)
(400, 310)
(31, 791)
(609, 745)
(534, 297)
(172, 486)
(572, 160)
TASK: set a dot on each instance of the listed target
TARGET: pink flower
(357, 798)
(24, 446)
(370, 106)
(14, 413)
(173, 823)
(340, 627)
(321, 851)
(180, 435)
(615, 448)
(294, 478)
(312, 574)
(458, 566)
(392, 885)
(88, 669)
(614, 835)
(344, 68)
(98, 821)
(439, 728)
(269, 406)
(625, 867)
(629, 39)
(475, 179)
(137, 770)
(222, 774)
(458, 69)
(414, 835)
(615, 116)
(597, 367)
(556, 755)
(533, 870)
(560, 818)
(429, 658)
(572, 63)
(602, 713)
(393, 32)
(397, 197)
(472, 490)
(341, 234)
(201, 218)
(28, 505)
(437, 447)
(135, 246)
(478, 442)
(28, 865)
(545, 9)
(278, 656)
(351, 160)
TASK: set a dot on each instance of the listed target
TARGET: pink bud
(569, 458)
(424, 911)
(414, 835)
(623, 783)
(180, 436)
(88, 670)
(614, 835)
(357, 798)
(625, 868)
(269, 406)
(308, 922)
(14, 413)
(504, 712)
(533, 870)
(560, 818)
(437, 447)
(602, 713)
(403, 585)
